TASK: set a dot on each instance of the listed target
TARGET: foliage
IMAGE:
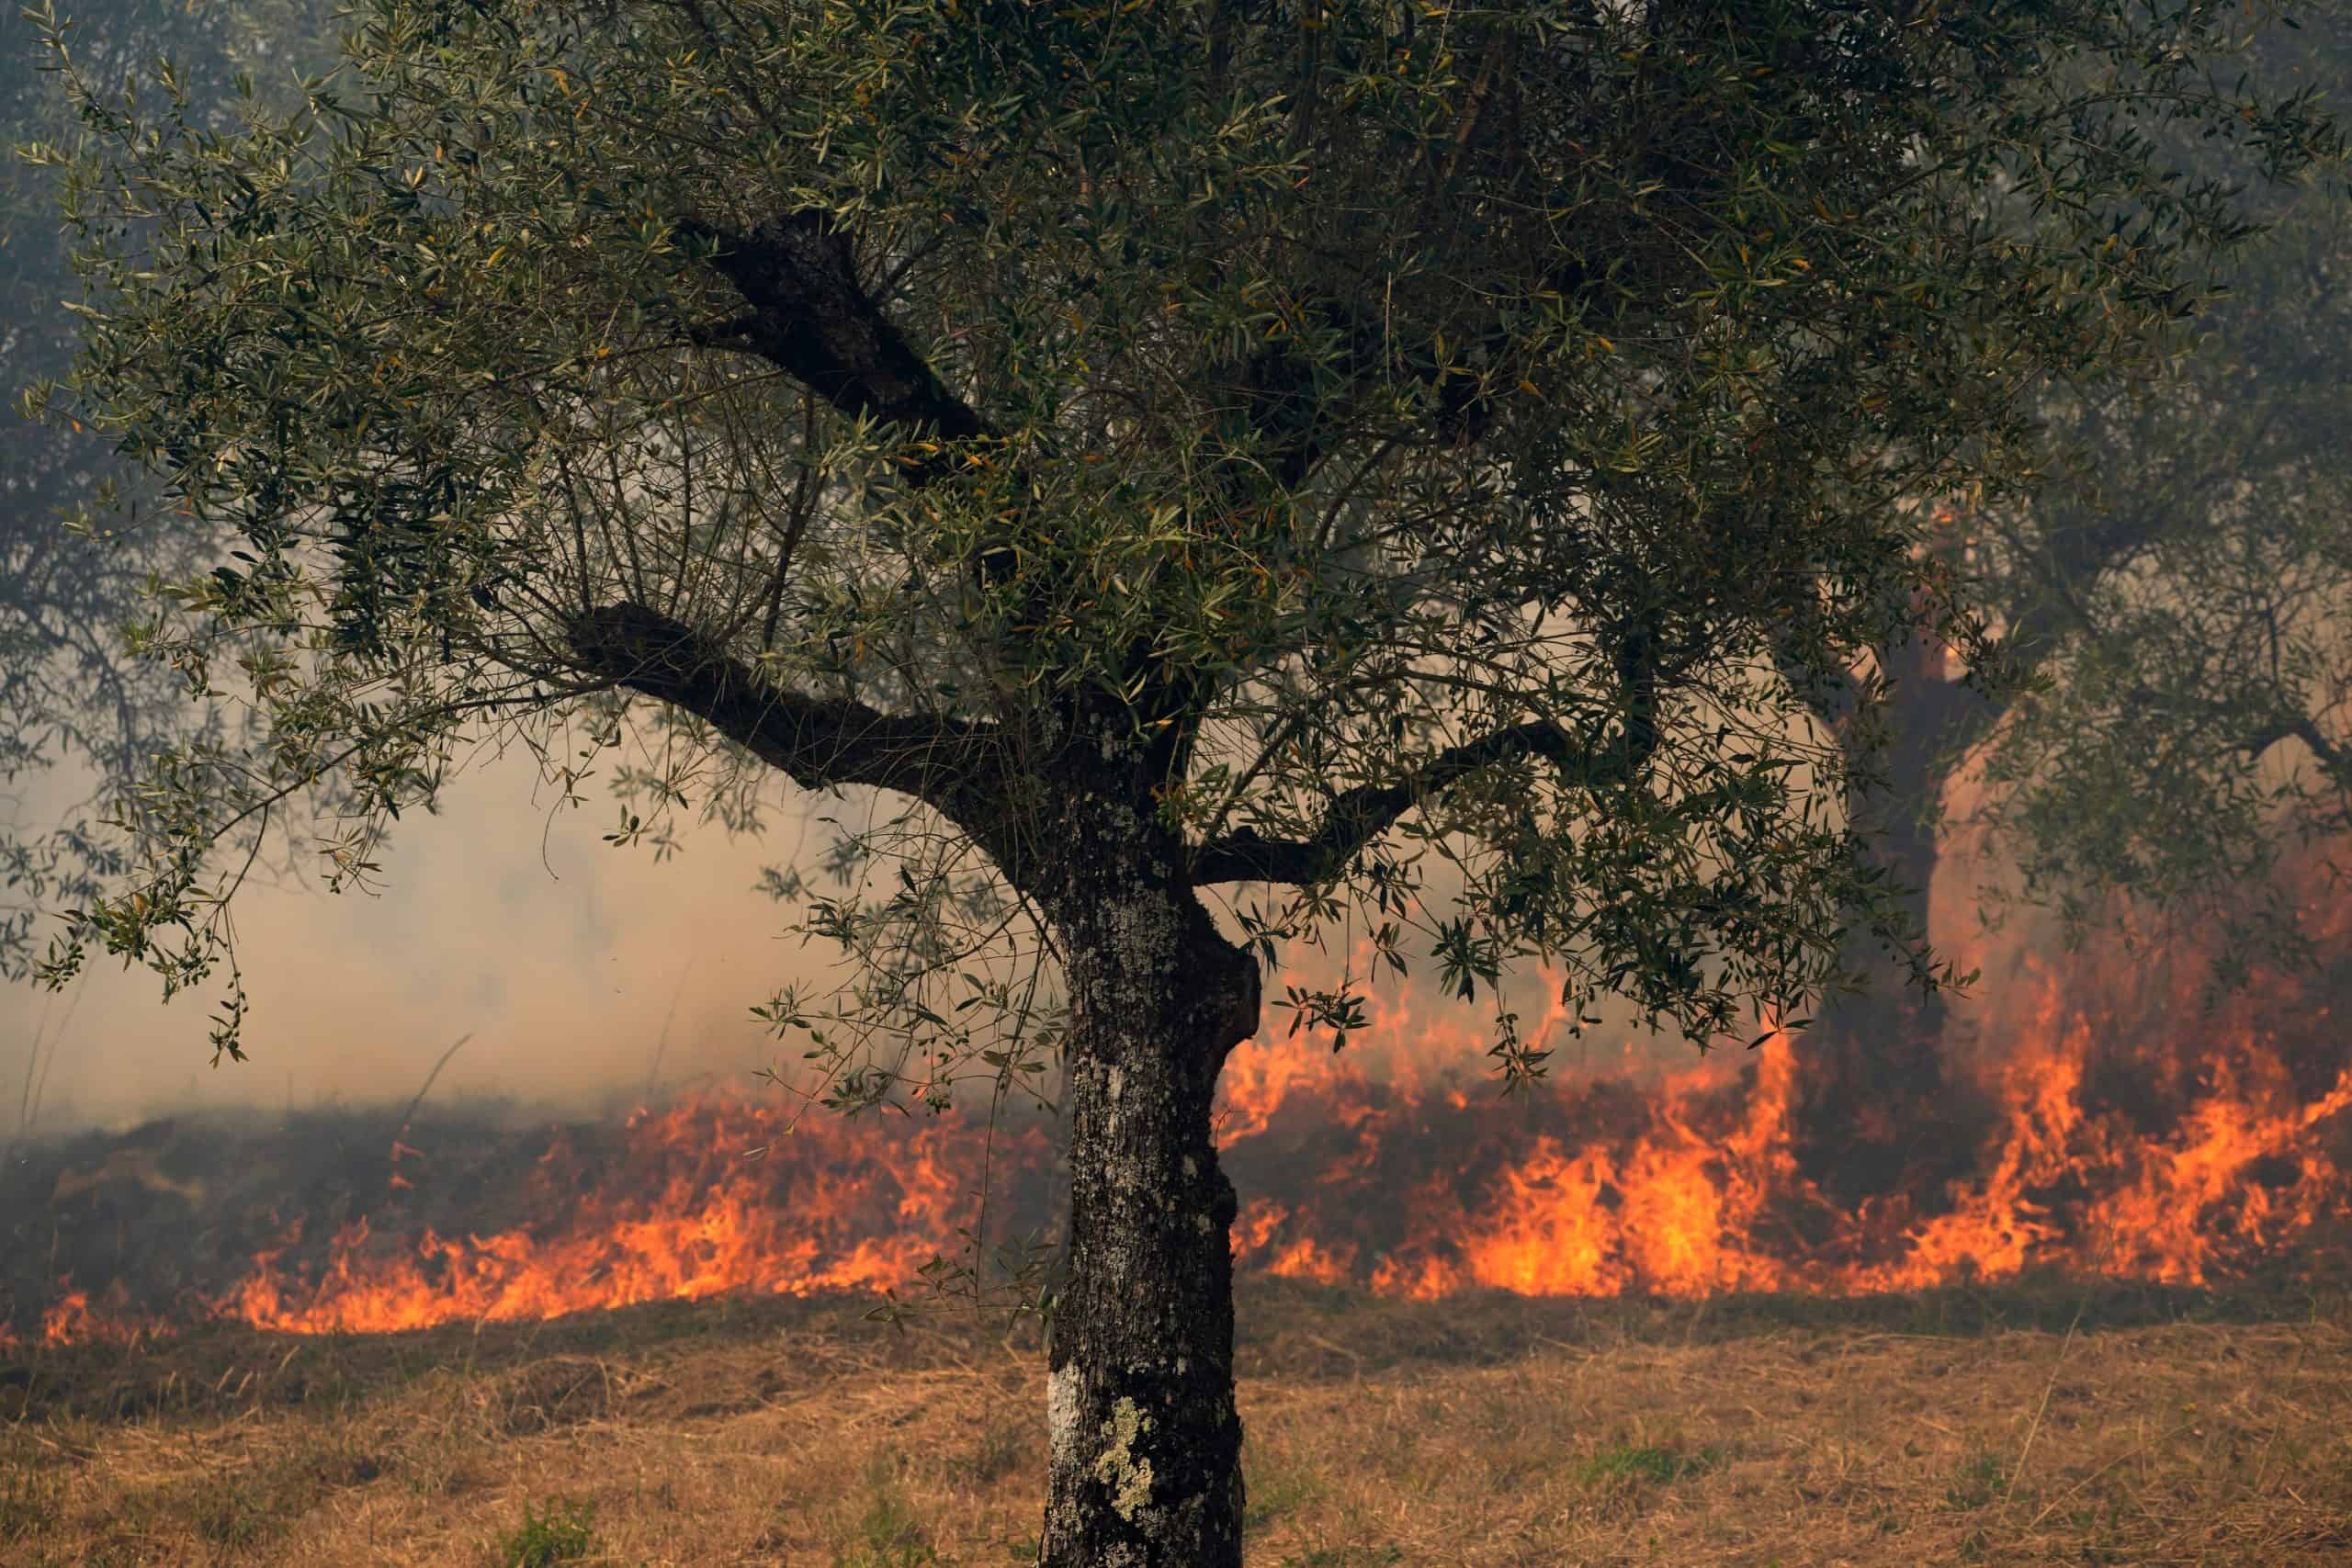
(2173, 738)
(1440, 448)
(79, 710)
(2195, 734)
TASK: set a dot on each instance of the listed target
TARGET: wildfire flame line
(2182, 1163)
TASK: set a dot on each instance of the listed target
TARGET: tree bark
(1144, 1470)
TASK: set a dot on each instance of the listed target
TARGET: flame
(717, 1195)
(67, 1319)
(2117, 1130)
(71, 1319)
(1693, 1185)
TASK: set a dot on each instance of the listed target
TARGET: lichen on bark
(1126, 1477)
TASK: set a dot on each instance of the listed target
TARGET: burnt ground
(2043, 1422)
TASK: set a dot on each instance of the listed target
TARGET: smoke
(577, 969)
(572, 964)
(561, 955)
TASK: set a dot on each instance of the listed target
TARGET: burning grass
(2043, 1422)
(1731, 1341)
(2097, 1123)
(2169, 1171)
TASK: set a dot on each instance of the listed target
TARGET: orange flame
(1693, 1187)
(712, 1196)
(2117, 1140)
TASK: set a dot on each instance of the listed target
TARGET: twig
(426, 1087)
(2019, 1469)
(32, 1060)
(2165, 1436)
(28, 1113)
(2262, 1465)
(661, 1044)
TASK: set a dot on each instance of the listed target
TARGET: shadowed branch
(1360, 814)
(810, 319)
(819, 743)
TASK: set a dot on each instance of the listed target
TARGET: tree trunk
(1879, 1107)
(1895, 1021)
(1146, 1464)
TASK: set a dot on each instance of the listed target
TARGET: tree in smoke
(75, 703)
(2176, 724)
(2195, 729)
(1146, 451)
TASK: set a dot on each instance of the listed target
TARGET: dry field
(2041, 1425)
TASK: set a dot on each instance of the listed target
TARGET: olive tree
(2170, 747)
(1200, 475)
(2175, 729)
(2194, 735)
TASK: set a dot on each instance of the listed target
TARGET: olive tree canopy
(1408, 465)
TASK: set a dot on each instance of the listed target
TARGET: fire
(709, 1197)
(71, 1319)
(1692, 1186)
(2107, 1131)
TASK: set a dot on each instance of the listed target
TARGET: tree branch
(1360, 814)
(2261, 734)
(945, 762)
(2335, 759)
(810, 318)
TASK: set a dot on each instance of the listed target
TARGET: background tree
(75, 703)
(2176, 727)
(1412, 464)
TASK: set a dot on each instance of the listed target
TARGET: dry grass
(2022, 1427)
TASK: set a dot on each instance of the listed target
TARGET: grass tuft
(565, 1533)
(888, 1533)
(29, 1504)
(1003, 1447)
(1976, 1482)
(1275, 1493)
(1642, 1461)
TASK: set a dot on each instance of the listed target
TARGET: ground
(2050, 1423)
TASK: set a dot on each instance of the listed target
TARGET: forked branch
(810, 318)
